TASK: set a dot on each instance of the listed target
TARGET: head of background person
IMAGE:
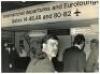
(32, 52)
(94, 44)
(5, 44)
(50, 46)
(79, 40)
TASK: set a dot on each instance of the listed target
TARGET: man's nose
(55, 47)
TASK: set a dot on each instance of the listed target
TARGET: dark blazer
(74, 60)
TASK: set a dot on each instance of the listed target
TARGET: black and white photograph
(50, 36)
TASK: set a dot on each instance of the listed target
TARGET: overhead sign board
(51, 12)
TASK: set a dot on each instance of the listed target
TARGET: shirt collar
(78, 46)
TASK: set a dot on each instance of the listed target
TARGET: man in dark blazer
(74, 58)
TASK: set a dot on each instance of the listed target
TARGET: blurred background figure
(23, 60)
(32, 53)
(34, 48)
(22, 52)
(9, 56)
(93, 59)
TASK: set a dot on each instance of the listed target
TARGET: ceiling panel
(12, 5)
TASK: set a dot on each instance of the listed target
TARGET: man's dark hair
(50, 36)
(79, 39)
(94, 41)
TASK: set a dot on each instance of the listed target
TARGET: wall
(64, 42)
(7, 35)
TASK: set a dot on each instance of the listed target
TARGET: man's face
(93, 46)
(52, 47)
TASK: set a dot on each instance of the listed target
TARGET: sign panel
(51, 12)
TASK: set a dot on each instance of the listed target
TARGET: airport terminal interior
(22, 37)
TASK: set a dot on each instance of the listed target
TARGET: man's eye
(52, 44)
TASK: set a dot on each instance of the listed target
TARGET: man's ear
(44, 47)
